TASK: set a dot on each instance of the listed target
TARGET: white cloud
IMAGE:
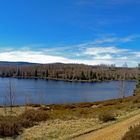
(114, 39)
(105, 50)
(107, 40)
(103, 57)
(41, 57)
(92, 53)
(31, 56)
(137, 54)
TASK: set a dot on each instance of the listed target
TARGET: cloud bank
(98, 51)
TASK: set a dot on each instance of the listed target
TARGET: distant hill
(7, 63)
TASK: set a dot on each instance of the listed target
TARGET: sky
(70, 31)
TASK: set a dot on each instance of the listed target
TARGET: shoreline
(67, 118)
(67, 80)
(73, 104)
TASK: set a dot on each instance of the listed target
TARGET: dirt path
(113, 132)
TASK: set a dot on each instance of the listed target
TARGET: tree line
(138, 80)
(71, 72)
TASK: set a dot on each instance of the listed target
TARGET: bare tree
(69, 72)
(138, 79)
(4, 105)
(28, 100)
(10, 95)
(41, 97)
(123, 82)
(122, 88)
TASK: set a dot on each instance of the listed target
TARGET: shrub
(133, 133)
(106, 116)
(35, 115)
(25, 123)
(34, 105)
(13, 125)
(9, 126)
(136, 99)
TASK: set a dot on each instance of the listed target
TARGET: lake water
(56, 92)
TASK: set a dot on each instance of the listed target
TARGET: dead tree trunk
(11, 95)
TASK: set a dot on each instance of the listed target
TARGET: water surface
(57, 92)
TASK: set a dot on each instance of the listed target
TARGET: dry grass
(65, 129)
(58, 129)
(16, 110)
(133, 133)
(66, 121)
(11, 126)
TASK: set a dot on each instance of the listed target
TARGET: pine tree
(138, 79)
(46, 73)
(83, 77)
(18, 72)
(35, 73)
(91, 75)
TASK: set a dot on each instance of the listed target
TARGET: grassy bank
(70, 120)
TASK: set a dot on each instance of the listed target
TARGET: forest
(69, 72)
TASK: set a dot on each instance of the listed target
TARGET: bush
(136, 99)
(9, 126)
(34, 105)
(106, 116)
(133, 133)
(13, 125)
(35, 115)
(25, 123)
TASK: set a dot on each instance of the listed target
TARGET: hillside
(7, 63)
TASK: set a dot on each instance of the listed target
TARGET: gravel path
(113, 132)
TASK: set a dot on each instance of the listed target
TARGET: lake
(57, 92)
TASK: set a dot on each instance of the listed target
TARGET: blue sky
(70, 31)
